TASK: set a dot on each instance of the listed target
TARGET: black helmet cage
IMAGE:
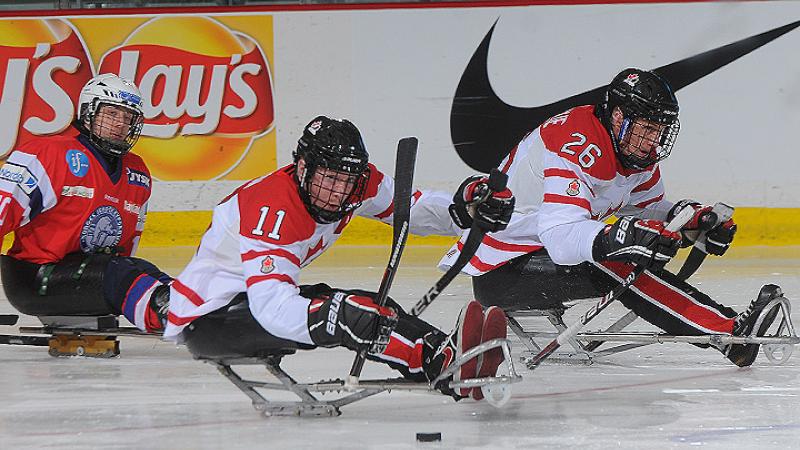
(642, 95)
(336, 145)
(113, 147)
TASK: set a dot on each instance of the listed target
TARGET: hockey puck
(429, 437)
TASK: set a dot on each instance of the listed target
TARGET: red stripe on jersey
(648, 202)
(499, 245)
(563, 173)
(478, 264)
(252, 254)
(649, 183)
(510, 160)
(277, 276)
(188, 293)
(178, 320)
(675, 300)
(387, 212)
(400, 349)
(563, 199)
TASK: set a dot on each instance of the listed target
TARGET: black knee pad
(72, 286)
(233, 332)
(533, 281)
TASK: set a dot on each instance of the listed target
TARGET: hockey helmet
(110, 114)
(650, 123)
(335, 172)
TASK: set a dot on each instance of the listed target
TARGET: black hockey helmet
(641, 94)
(335, 145)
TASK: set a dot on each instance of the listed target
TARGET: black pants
(78, 285)
(533, 281)
(233, 332)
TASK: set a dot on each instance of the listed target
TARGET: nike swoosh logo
(484, 128)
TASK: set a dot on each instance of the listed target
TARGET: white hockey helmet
(110, 89)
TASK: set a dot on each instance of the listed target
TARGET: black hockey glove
(702, 219)
(474, 201)
(642, 242)
(349, 319)
(719, 239)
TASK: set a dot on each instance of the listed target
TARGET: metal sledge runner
(89, 336)
(310, 403)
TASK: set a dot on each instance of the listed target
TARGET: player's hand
(719, 239)
(643, 242)
(475, 202)
(351, 320)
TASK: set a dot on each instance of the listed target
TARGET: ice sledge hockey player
(241, 294)
(570, 174)
(77, 204)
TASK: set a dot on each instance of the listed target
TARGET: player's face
(113, 122)
(642, 138)
(330, 189)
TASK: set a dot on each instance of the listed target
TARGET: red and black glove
(345, 318)
(474, 201)
(718, 239)
(643, 242)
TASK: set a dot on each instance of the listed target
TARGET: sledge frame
(311, 405)
(777, 346)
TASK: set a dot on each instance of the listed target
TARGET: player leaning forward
(241, 294)
(579, 168)
(76, 204)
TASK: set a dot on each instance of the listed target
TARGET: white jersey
(261, 236)
(567, 180)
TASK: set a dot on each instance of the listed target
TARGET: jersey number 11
(275, 233)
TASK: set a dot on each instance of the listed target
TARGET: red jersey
(58, 197)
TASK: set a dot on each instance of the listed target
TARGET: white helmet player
(110, 114)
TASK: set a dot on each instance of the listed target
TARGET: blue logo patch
(138, 178)
(102, 229)
(78, 162)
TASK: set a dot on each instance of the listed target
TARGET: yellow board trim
(757, 226)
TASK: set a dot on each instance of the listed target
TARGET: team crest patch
(78, 162)
(103, 228)
(573, 188)
(138, 178)
(267, 265)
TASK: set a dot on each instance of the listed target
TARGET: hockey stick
(403, 179)
(674, 225)
(497, 182)
(719, 214)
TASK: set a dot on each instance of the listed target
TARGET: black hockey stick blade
(8, 319)
(403, 181)
(675, 224)
(720, 214)
(497, 182)
(13, 339)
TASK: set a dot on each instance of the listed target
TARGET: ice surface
(660, 396)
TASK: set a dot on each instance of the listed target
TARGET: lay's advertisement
(206, 84)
